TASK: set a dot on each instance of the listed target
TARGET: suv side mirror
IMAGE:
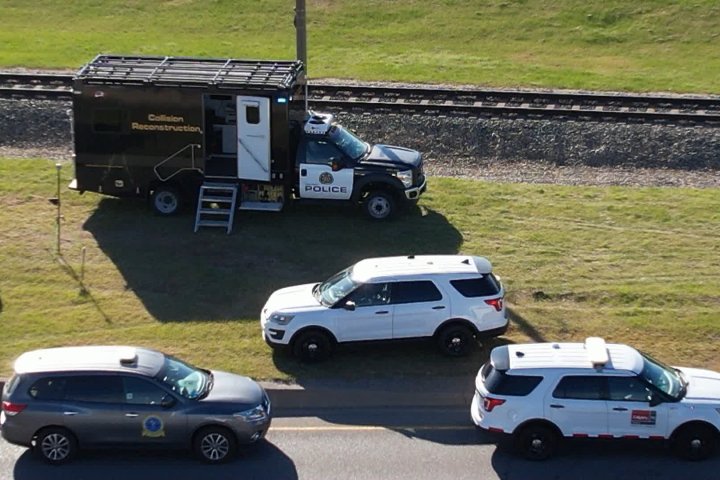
(168, 401)
(349, 305)
(335, 165)
(655, 400)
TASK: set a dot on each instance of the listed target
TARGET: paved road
(371, 444)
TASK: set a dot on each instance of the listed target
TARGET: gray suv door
(87, 404)
(152, 415)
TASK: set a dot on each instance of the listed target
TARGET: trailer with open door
(224, 134)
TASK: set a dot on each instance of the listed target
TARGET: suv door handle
(620, 409)
(70, 414)
(131, 414)
(382, 312)
(439, 307)
(555, 405)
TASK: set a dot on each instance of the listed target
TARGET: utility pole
(301, 42)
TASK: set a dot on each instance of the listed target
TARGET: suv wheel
(56, 445)
(312, 346)
(536, 442)
(166, 201)
(214, 445)
(456, 340)
(695, 442)
(379, 205)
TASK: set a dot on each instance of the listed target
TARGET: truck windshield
(335, 288)
(350, 145)
(666, 379)
(188, 381)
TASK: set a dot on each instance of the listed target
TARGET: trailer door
(253, 137)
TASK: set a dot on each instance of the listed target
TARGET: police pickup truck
(334, 164)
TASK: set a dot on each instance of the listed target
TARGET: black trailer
(160, 127)
(226, 134)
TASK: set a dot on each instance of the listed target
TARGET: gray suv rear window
(484, 286)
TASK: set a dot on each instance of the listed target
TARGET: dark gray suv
(62, 399)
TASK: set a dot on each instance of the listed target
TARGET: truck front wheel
(379, 205)
(166, 201)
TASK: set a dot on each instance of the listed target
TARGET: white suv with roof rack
(452, 298)
(543, 392)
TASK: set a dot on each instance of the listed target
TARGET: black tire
(166, 201)
(456, 340)
(537, 442)
(312, 346)
(215, 445)
(379, 205)
(695, 442)
(56, 445)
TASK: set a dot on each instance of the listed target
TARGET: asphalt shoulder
(408, 392)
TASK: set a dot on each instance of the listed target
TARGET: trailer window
(107, 120)
(252, 115)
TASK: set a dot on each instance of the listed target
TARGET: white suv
(453, 298)
(543, 392)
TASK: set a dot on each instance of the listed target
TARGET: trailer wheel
(166, 201)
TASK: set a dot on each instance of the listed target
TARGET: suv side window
(415, 292)
(628, 389)
(94, 388)
(81, 388)
(501, 383)
(370, 294)
(484, 286)
(48, 388)
(139, 391)
(579, 387)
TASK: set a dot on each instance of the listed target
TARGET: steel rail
(449, 101)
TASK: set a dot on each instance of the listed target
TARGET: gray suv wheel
(56, 445)
(215, 445)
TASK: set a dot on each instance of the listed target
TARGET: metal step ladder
(216, 205)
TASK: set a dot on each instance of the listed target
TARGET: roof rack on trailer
(192, 72)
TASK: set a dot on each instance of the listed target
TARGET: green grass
(635, 265)
(643, 45)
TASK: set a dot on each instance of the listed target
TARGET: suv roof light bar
(597, 351)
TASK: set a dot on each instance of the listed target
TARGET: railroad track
(41, 86)
(451, 102)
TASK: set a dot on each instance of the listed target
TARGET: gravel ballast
(573, 152)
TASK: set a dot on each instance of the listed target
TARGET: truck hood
(231, 388)
(298, 297)
(702, 384)
(397, 156)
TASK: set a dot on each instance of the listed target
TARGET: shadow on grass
(526, 327)
(180, 275)
(83, 291)
(386, 360)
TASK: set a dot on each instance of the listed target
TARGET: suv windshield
(350, 145)
(335, 288)
(188, 381)
(666, 379)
